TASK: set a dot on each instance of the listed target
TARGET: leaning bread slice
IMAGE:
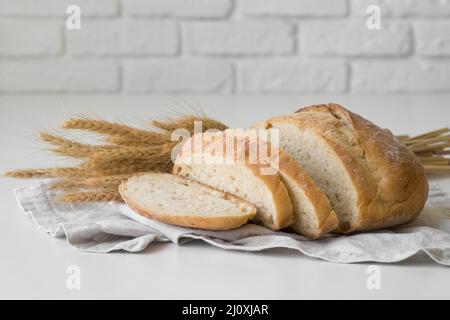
(370, 178)
(175, 200)
(203, 158)
(313, 215)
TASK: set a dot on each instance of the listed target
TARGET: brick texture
(405, 8)
(293, 76)
(51, 8)
(433, 38)
(240, 38)
(225, 46)
(59, 76)
(353, 38)
(124, 37)
(404, 76)
(178, 8)
(302, 8)
(21, 37)
(177, 76)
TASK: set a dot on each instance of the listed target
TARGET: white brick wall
(30, 38)
(433, 38)
(134, 37)
(225, 46)
(298, 8)
(59, 76)
(352, 38)
(178, 8)
(57, 8)
(239, 38)
(174, 75)
(401, 76)
(405, 8)
(292, 76)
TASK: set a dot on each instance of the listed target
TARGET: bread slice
(370, 178)
(175, 200)
(212, 166)
(313, 215)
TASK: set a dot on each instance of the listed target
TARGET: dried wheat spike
(68, 147)
(109, 182)
(48, 173)
(163, 166)
(109, 128)
(90, 196)
(187, 122)
(127, 156)
(153, 139)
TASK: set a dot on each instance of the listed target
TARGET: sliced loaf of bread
(312, 212)
(175, 200)
(371, 179)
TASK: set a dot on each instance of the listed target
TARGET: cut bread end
(371, 180)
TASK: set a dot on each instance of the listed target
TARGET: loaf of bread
(371, 179)
(175, 200)
(312, 215)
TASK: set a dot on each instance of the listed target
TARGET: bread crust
(326, 217)
(283, 215)
(390, 182)
(217, 223)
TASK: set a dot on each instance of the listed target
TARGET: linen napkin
(111, 226)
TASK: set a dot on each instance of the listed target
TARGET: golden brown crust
(283, 215)
(198, 222)
(326, 217)
(390, 181)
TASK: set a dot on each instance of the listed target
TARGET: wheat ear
(109, 182)
(68, 147)
(109, 128)
(153, 139)
(187, 122)
(152, 156)
(49, 173)
(431, 149)
(90, 196)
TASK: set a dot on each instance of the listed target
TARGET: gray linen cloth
(106, 227)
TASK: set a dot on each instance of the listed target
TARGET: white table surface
(33, 264)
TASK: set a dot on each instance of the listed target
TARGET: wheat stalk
(109, 182)
(49, 173)
(431, 149)
(151, 158)
(156, 139)
(108, 128)
(68, 147)
(187, 122)
(90, 196)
